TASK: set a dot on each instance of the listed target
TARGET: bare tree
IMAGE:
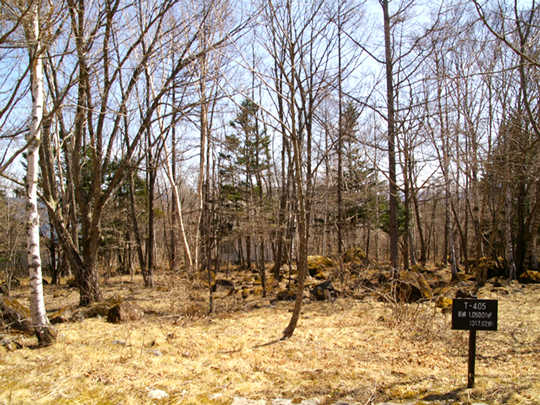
(301, 77)
(390, 117)
(97, 136)
(34, 23)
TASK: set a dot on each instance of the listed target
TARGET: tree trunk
(175, 214)
(508, 246)
(148, 270)
(88, 285)
(407, 221)
(177, 211)
(535, 225)
(392, 178)
(423, 255)
(301, 215)
(260, 265)
(135, 223)
(44, 332)
(248, 252)
(340, 149)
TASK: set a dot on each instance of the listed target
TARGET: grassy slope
(365, 351)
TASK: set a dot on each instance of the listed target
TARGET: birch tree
(28, 15)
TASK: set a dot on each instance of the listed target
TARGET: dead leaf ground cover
(362, 351)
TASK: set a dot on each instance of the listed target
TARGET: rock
(10, 344)
(316, 265)
(372, 279)
(216, 396)
(15, 315)
(285, 295)
(3, 289)
(156, 353)
(124, 312)
(63, 315)
(282, 401)
(248, 292)
(324, 291)
(444, 303)
(530, 276)
(223, 285)
(460, 293)
(485, 268)
(72, 283)
(6, 286)
(98, 309)
(355, 255)
(246, 401)
(412, 287)
(157, 394)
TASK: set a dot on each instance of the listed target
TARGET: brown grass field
(360, 351)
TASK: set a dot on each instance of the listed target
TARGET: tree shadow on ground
(453, 395)
(272, 342)
(380, 393)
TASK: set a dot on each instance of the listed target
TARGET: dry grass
(364, 351)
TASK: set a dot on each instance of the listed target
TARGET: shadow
(230, 351)
(272, 342)
(252, 347)
(448, 396)
(505, 355)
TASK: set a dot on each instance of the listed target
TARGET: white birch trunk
(40, 322)
(177, 207)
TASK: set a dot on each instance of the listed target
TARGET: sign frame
(474, 314)
(477, 314)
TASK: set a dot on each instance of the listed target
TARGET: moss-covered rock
(418, 267)
(223, 286)
(98, 309)
(445, 303)
(324, 291)
(10, 344)
(372, 279)
(61, 316)
(248, 292)
(15, 315)
(530, 276)
(124, 312)
(355, 255)
(285, 295)
(412, 287)
(318, 264)
(484, 268)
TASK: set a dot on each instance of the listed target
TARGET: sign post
(473, 315)
(472, 358)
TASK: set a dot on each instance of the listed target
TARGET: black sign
(471, 314)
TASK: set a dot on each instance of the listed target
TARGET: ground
(364, 351)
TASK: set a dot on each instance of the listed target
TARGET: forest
(194, 159)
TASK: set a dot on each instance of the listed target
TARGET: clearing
(366, 350)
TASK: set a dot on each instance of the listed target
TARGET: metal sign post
(473, 315)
